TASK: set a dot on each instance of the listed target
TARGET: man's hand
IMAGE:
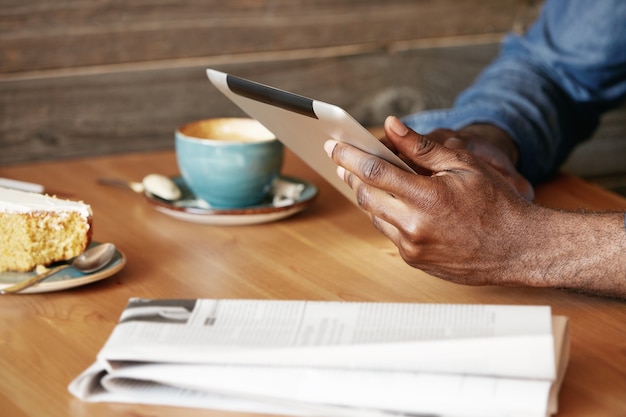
(490, 144)
(459, 221)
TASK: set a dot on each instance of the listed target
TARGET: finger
(376, 201)
(388, 230)
(380, 205)
(423, 151)
(391, 216)
(371, 170)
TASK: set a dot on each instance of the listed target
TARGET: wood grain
(39, 35)
(328, 252)
(102, 77)
(112, 112)
(86, 78)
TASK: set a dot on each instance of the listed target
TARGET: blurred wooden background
(106, 76)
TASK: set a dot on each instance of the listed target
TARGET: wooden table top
(330, 251)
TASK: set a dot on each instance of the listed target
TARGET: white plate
(190, 209)
(64, 279)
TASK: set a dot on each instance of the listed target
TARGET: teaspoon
(91, 260)
(156, 184)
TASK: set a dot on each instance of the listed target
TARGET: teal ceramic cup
(228, 162)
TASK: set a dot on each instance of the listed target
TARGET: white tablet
(303, 124)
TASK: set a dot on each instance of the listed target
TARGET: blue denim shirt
(548, 87)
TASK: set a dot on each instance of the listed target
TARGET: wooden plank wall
(106, 76)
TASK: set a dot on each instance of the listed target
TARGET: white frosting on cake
(15, 201)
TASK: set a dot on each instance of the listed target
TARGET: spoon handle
(32, 281)
(135, 186)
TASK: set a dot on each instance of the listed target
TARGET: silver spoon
(91, 260)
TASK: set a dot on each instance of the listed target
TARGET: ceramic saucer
(64, 279)
(191, 209)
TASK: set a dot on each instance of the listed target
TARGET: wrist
(580, 251)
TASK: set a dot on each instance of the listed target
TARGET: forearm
(575, 250)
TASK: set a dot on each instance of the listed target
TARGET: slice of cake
(36, 229)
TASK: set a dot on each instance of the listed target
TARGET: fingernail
(397, 126)
(341, 172)
(329, 145)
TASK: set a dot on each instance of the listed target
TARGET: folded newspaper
(316, 358)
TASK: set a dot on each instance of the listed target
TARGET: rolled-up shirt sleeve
(548, 87)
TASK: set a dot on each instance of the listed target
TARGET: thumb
(420, 150)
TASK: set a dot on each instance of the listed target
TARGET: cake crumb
(40, 269)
